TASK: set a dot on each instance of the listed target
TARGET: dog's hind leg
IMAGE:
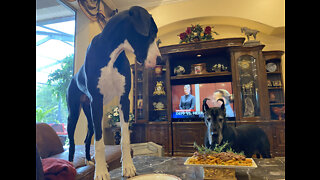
(73, 104)
(87, 111)
(128, 169)
(265, 147)
(266, 153)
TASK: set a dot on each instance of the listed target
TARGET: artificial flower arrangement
(219, 68)
(179, 70)
(196, 33)
(114, 117)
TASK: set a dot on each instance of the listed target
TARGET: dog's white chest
(111, 83)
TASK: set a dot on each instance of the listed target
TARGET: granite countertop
(273, 168)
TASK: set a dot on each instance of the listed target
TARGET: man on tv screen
(225, 95)
(187, 101)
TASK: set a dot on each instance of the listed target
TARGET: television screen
(187, 99)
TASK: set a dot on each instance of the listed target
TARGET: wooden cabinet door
(279, 140)
(185, 134)
(159, 134)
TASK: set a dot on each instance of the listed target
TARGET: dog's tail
(205, 106)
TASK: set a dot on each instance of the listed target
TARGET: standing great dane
(106, 74)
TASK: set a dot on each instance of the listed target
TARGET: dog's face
(214, 119)
(142, 37)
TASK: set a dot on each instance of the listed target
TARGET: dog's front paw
(128, 169)
(101, 173)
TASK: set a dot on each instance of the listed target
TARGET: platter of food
(219, 164)
(191, 162)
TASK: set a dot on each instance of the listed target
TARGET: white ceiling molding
(126, 4)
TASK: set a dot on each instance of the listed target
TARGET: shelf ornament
(159, 89)
(250, 32)
(280, 111)
(158, 106)
(219, 68)
(179, 70)
(158, 70)
(196, 33)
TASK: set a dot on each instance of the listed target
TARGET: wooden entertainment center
(257, 86)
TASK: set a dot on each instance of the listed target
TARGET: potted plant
(114, 117)
(196, 33)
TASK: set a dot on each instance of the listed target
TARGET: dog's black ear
(222, 106)
(205, 106)
(141, 19)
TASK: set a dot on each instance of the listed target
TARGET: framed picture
(198, 68)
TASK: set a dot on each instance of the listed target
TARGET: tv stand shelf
(205, 75)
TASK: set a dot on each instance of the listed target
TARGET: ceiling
(40, 4)
(49, 9)
(126, 4)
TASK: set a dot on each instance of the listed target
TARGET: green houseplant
(114, 117)
(197, 33)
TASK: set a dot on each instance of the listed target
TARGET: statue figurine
(250, 32)
(159, 89)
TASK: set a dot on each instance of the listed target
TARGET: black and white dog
(106, 74)
(248, 138)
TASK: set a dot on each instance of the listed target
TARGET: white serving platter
(254, 165)
(155, 176)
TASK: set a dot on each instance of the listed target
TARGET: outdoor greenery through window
(54, 70)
